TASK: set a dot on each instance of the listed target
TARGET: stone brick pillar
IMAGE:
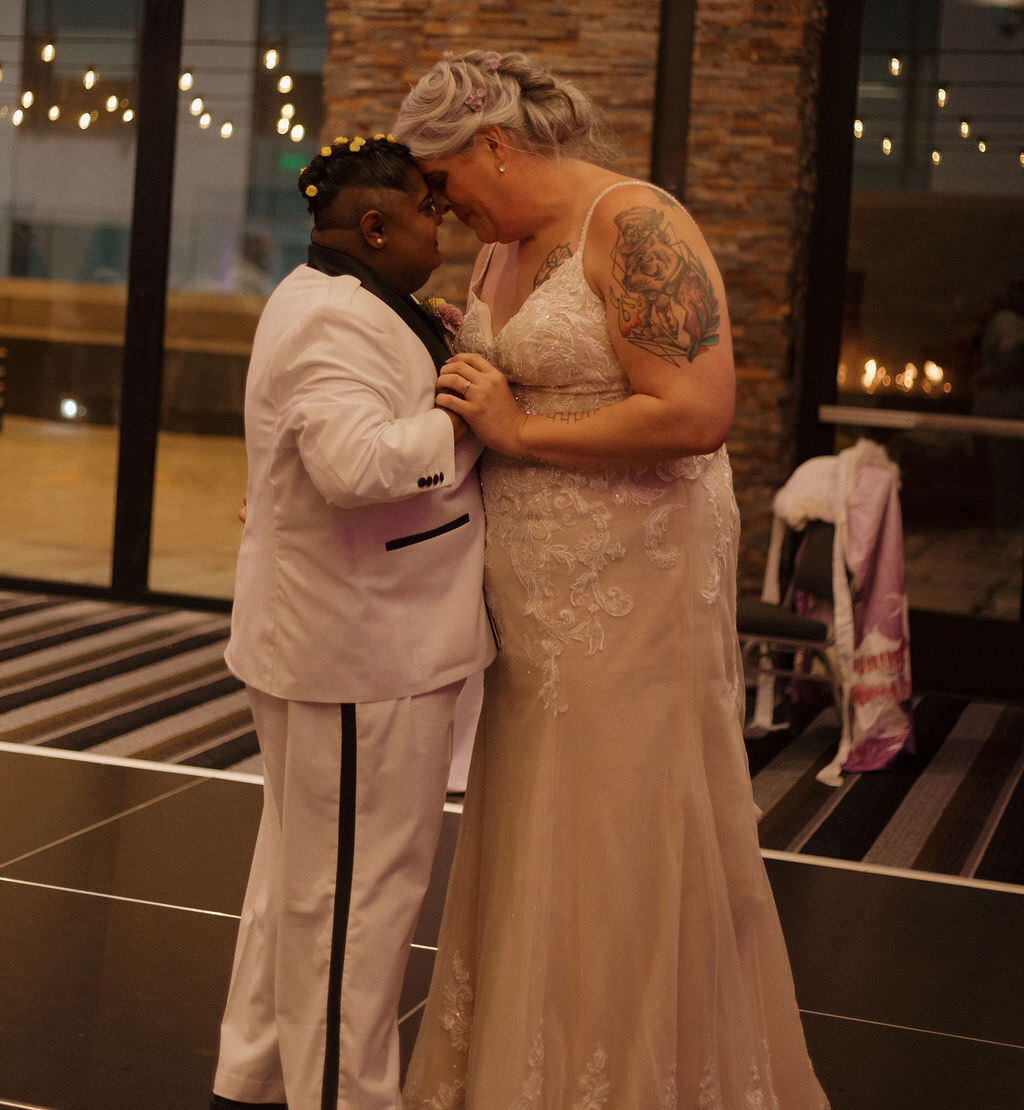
(750, 173)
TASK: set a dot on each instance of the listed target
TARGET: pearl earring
(501, 168)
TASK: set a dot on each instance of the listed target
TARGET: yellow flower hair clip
(357, 144)
(311, 190)
(325, 152)
(341, 140)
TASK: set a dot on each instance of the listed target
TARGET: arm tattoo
(555, 259)
(570, 417)
(665, 299)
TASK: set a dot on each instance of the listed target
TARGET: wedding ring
(465, 386)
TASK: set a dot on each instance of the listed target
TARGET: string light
(111, 104)
(27, 98)
(982, 146)
(196, 106)
(186, 80)
(226, 130)
(858, 128)
(287, 111)
(887, 146)
(54, 113)
(128, 115)
(936, 157)
(941, 96)
(84, 120)
(271, 58)
(89, 78)
(965, 129)
(895, 66)
(284, 85)
(282, 125)
(48, 53)
(298, 133)
(19, 115)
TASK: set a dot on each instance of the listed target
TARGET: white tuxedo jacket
(361, 561)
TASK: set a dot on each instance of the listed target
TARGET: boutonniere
(449, 316)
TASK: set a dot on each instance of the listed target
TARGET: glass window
(933, 340)
(67, 153)
(251, 106)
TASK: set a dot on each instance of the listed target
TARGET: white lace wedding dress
(610, 940)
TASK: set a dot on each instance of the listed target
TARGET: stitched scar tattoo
(665, 299)
(555, 259)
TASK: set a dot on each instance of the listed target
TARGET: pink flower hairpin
(492, 62)
(475, 101)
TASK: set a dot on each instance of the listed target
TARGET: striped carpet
(144, 682)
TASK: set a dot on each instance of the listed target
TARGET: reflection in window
(934, 305)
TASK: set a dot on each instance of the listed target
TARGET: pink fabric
(882, 724)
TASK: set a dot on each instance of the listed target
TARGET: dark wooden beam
(156, 128)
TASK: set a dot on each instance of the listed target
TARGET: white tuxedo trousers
(353, 802)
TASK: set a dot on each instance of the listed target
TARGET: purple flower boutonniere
(449, 316)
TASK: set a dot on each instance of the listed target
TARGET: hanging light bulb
(27, 98)
(982, 146)
(84, 120)
(965, 129)
(1020, 157)
(887, 146)
(18, 116)
(54, 113)
(271, 58)
(48, 53)
(186, 80)
(858, 128)
(282, 125)
(941, 96)
(128, 115)
(287, 111)
(111, 104)
(298, 133)
(895, 66)
(89, 78)
(226, 130)
(196, 106)
(936, 157)
(205, 120)
(284, 85)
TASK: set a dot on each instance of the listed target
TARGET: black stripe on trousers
(342, 899)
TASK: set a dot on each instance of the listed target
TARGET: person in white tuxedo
(358, 615)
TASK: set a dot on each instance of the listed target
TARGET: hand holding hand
(471, 387)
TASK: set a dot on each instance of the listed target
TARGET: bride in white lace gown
(610, 940)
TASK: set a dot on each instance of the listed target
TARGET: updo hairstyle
(540, 113)
(356, 164)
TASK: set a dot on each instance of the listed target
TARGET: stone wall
(750, 161)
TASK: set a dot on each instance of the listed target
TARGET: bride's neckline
(484, 309)
(575, 258)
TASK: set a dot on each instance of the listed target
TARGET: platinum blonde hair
(539, 112)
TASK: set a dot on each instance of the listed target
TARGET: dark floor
(119, 886)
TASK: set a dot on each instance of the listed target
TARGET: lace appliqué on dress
(457, 1014)
(533, 1085)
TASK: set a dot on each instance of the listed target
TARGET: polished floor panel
(120, 885)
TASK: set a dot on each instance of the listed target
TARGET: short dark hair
(377, 163)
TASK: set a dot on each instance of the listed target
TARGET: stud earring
(501, 168)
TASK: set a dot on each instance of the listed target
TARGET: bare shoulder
(654, 269)
(634, 210)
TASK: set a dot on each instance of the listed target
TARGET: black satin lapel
(426, 327)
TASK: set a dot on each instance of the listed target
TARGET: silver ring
(466, 383)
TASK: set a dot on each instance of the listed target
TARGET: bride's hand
(470, 386)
